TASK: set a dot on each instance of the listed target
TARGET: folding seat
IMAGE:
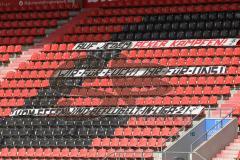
(21, 152)
(30, 152)
(207, 90)
(92, 153)
(234, 61)
(225, 90)
(226, 61)
(198, 90)
(229, 80)
(131, 121)
(124, 142)
(104, 142)
(4, 152)
(216, 90)
(10, 49)
(12, 152)
(4, 102)
(236, 51)
(176, 100)
(3, 49)
(185, 100)
(219, 80)
(146, 132)
(168, 121)
(74, 152)
(174, 131)
(140, 121)
(47, 47)
(7, 112)
(65, 152)
(165, 132)
(167, 100)
(114, 142)
(152, 142)
(172, 62)
(142, 142)
(213, 100)
(8, 93)
(56, 152)
(204, 100)
(208, 61)
(156, 132)
(5, 58)
(127, 131)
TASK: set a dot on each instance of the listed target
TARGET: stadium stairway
(233, 103)
(231, 152)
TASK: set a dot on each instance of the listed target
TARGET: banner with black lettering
(156, 44)
(125, 72)
(109, 111)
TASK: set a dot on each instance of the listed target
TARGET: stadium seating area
(32, 85)
(24, 25)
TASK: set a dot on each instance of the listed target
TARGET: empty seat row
(110, 20)
(45, 142)
(11, 49)
(18, 93)
(172, 81)
(173, 35)
(83, 38)
(74, 153)
(57, 132)
(159, 121)
(41, 7)
(16, 40)
(167, 9)
(35, 74)
(4, 58)
(47, 65)
(12, 102)
(34, 15)
(193, 52)
(5, 112)
(146, 132)
(63, 122)
(127, 3)
(95, 29)
(28, 23)
(51, 56)
(58, 47)
(194, 17)
(149, 62)
(24, 84)
(181, 26)
(148, 91)
(141, 101)
(22, 32)
(129, 142)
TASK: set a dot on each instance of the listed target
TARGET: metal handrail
(228, 115)
(181, 129)
(143, 154)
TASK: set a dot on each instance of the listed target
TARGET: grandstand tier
(44, 65)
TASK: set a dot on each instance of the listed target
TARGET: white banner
(109, 111)
(156, 44)
(141, 71)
